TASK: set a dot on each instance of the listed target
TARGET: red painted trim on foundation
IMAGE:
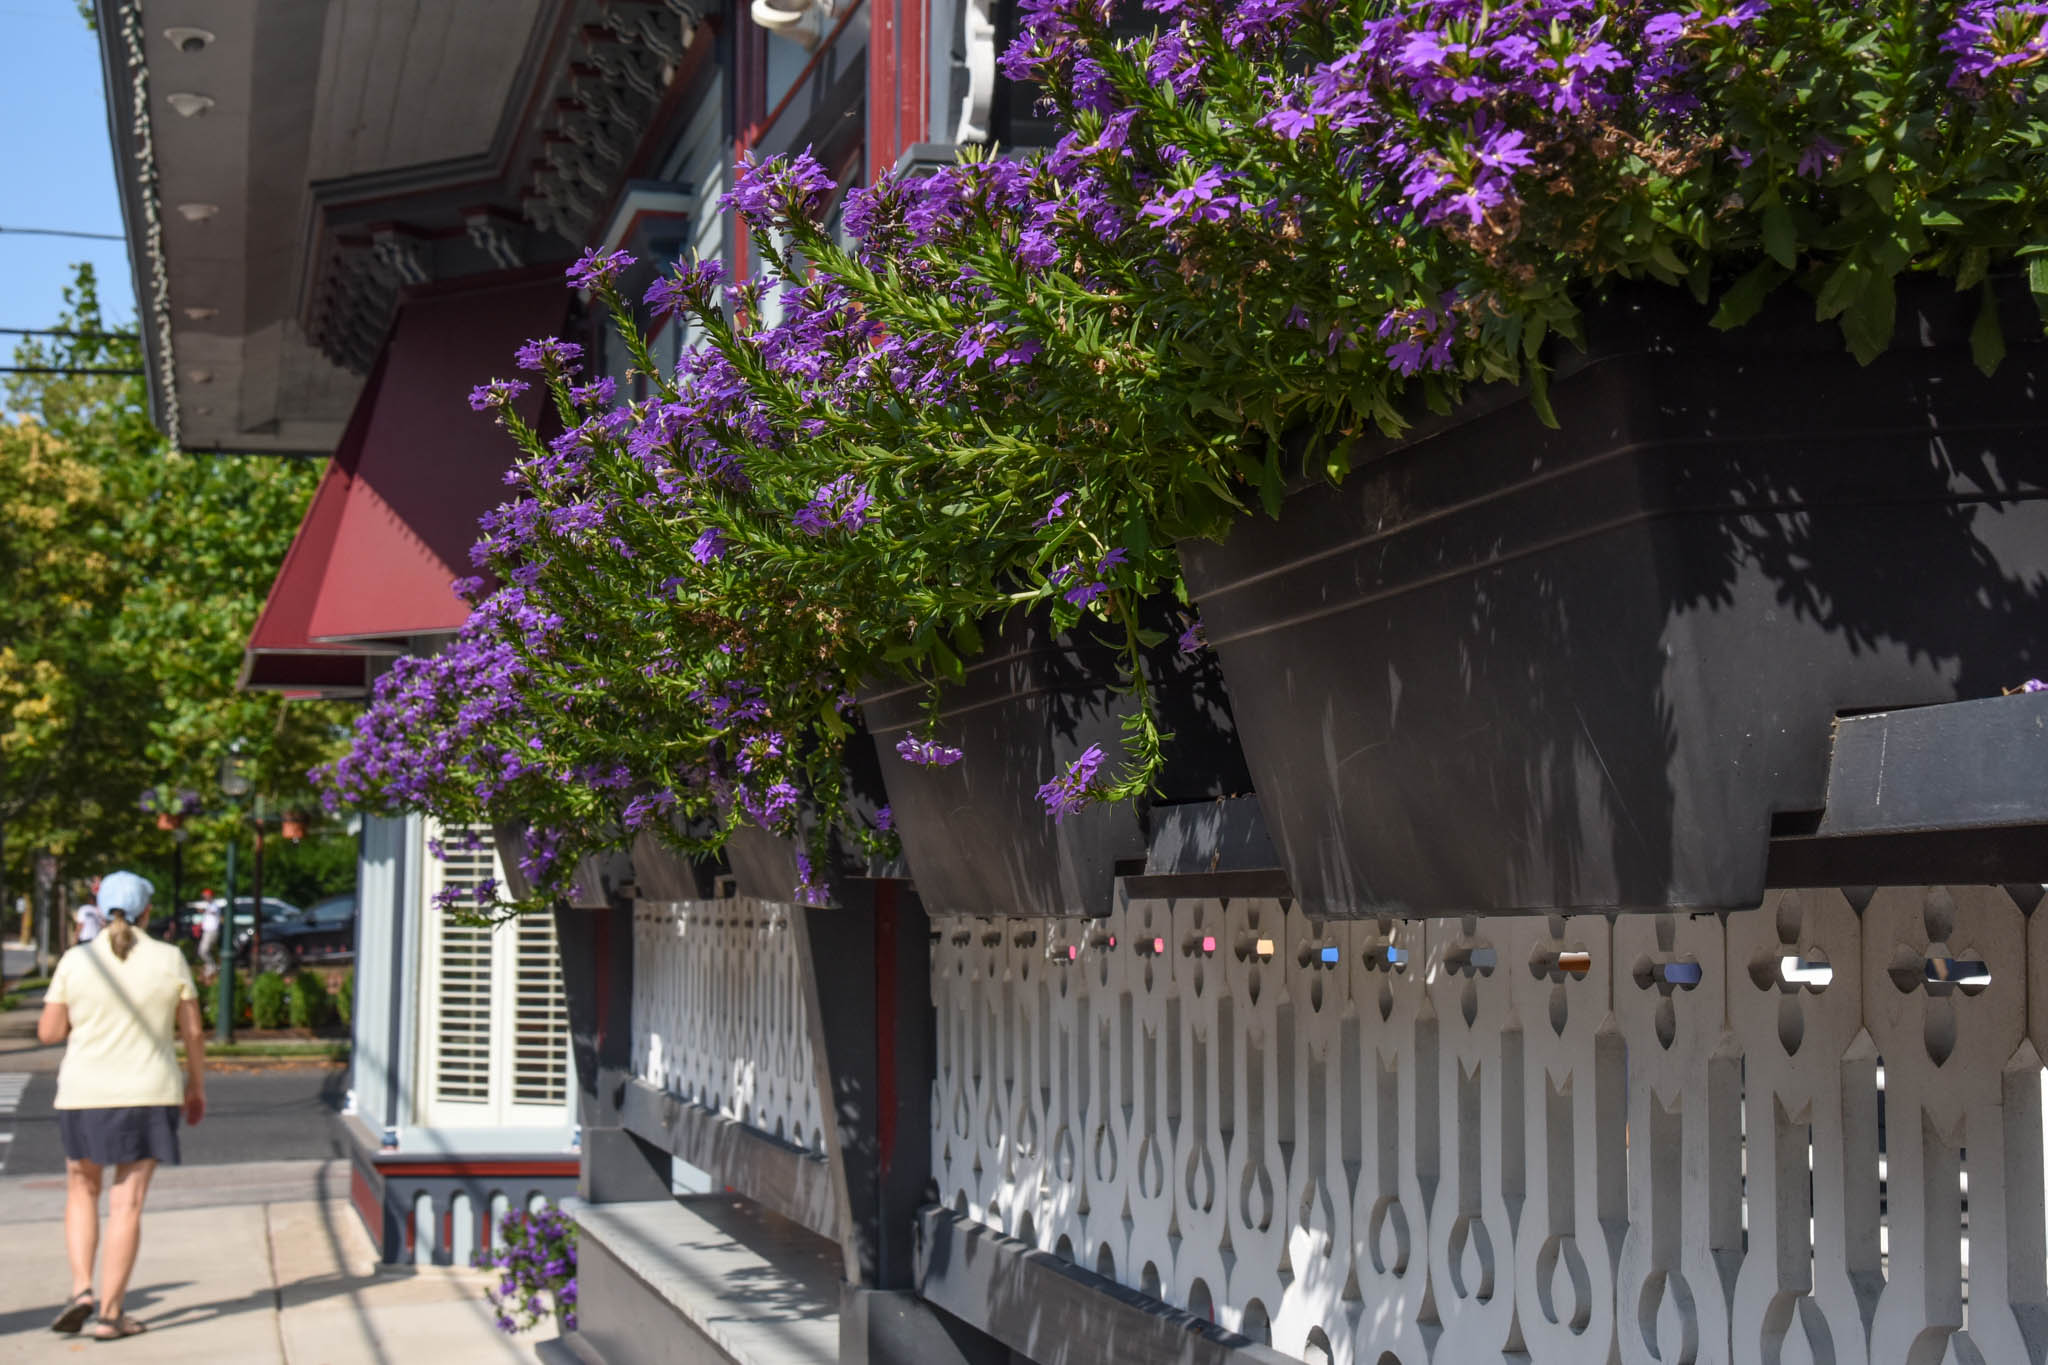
(368, 1206)
(434, 1168)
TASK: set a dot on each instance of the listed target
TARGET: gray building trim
(1049, 1310)
(784, 1179)
(703, 1281)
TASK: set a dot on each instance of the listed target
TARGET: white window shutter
(494, 1025)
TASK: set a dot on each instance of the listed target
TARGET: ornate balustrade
(719, 1018)
(1808, 1132)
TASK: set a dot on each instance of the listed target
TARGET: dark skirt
(115, 1137)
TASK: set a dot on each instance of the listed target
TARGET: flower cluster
(1267, 228)
(534, 1256)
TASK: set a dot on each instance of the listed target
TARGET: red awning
(429, 466)
(390, 527)
(282, 655)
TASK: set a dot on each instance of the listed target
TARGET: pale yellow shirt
(124, 1018)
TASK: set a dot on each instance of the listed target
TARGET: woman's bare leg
(81, 1220)
(124, 1232)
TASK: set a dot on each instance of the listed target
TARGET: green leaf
(1972, 268)
(1781, 238)
(1841, 289)
(1867, 321)
(1987, 338)
(2037, 281)
(966, 638)
(1539, 395)
(1747, 295)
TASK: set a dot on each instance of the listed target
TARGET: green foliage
(345, 998)
(209, 1002)
(268, 1006)
(310, 1006)
(130, 575)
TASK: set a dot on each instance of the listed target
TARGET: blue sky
(56, 169)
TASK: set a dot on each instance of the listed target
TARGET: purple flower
(1195, 638)
(496, 394)
(2033, 685)
(841, 503)
(709, 546)
(809, 891)
(596, 269)
(928, 753)
(778, 191)
(1056, 511)
(1072, 789)
(696, 287)
(1819, 155)
(547, 354)
(885, 819)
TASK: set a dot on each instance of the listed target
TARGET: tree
(130, 574)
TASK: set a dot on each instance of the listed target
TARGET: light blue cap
(125, 892)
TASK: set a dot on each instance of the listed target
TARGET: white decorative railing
(719, 1018)
(1808, 1132)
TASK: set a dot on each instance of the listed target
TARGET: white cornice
(156, 298)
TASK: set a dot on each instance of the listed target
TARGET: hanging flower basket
(1506, 667)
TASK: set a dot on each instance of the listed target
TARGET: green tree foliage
(130, 575)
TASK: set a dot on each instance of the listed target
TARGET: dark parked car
(324, 932)
(186, 923)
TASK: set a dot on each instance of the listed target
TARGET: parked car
(185, 924)
(325, 932)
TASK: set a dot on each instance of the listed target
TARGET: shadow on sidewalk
(137, 1301)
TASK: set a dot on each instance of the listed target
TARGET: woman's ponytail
(120, 934)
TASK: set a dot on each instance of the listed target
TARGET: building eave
(125, 69)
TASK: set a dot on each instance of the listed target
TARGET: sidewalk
(263, 1261)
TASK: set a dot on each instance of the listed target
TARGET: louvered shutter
(494, 1036)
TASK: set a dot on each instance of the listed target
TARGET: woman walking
(118, 1002)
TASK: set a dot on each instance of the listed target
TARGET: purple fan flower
(809, 891)
(496, 394)
(548, 353)
(1072, 789)
(596, 269)
(841, 503)
(709, 546)
(1195, 638)
(928, 753)
(1056, 511)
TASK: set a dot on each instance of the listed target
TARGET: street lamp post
(234, 784)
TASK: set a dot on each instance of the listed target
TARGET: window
(494, 1025)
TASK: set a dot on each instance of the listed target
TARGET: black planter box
(764, 864)
(977, 839)
(1508, 668)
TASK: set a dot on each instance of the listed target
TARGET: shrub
(538, 1257)
(209, 1002)
(310, 1006)
(345, 998)
(267, 1001)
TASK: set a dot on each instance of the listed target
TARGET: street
(16, 960)
(276, 1114)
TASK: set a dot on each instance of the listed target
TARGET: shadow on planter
(1510, 668)
(764, 864)
(976, 837)
(599, 877)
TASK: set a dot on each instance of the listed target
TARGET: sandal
(115, 1328)
(81, 1307)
